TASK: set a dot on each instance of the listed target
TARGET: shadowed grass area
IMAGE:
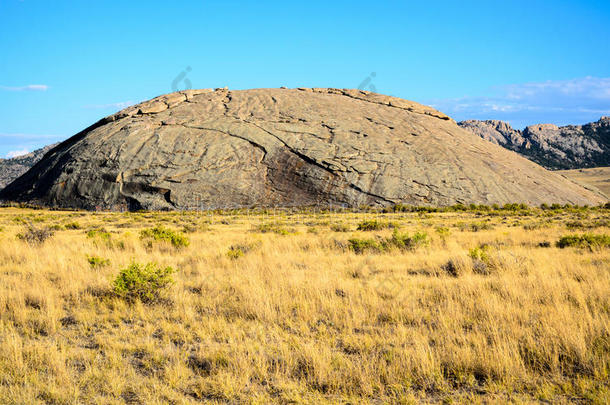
(257, 308)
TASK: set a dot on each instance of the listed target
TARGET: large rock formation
(12, 168)
(283, 147)
(569, 147)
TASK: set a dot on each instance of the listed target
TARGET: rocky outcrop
(283, 147)
(12, 168)
(568, 147)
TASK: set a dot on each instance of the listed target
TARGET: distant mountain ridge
(12, 168)
(567, 147)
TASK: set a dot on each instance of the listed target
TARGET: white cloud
(29, 87)
(555, 101)
(16, 153)
(120, 105)
(28, 136)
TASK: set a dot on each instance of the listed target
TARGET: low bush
(584, 241)
(398, 240)
(443, 232)
(481, 260)
(456, 266)
(375, 225)
(96, 262)
(72, 225)
(160, 233)
(363, 245)
(405, 242)
(273, 228)
(237, 251)
(100, 233)
(143, 282)
(475, 226)
(339, 227)
(34, 235)
(371, 225)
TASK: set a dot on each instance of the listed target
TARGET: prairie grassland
(481, 307)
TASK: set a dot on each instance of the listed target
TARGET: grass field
(598, 177)
(467, 306)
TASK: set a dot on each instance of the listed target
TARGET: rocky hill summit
(12, 168)
(568, 147)
(283, 147)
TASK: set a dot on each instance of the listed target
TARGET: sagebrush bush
(273, 228)
(402, 241)
(100, 233)
(160, 233)
(363, 245)
(340, 227)
(584, 241)
(374, 225)
(405, 242)
(96, 262)
(237, 251)
(144, 282)
(35, 235)
(475, 226)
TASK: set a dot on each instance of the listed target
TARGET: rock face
(12, 168)
(569, 147)
(283, 147)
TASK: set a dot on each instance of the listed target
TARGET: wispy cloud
(29, 137)
(120, 105)
(16, 153)
(29, 87)
(561, 102)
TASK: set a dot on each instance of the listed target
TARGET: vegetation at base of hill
(584, 241)
(160, 233)
(462, 305)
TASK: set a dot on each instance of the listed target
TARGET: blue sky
(64, 65)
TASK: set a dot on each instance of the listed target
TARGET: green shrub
(443, 232)
(396, 241)
(475, 226)
(72, 225)
(273, 228)
(96, 262)
(481, 260)
(479, 253)
(584, 241)
(363, 245)
(143, 282)
(406, 242)
(160, 233)
(374, 225)
(237, 251)
(99, 234)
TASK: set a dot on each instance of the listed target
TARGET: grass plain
(304, 307)
(598, 177)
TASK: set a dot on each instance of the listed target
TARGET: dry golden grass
(598, 177)
(299, 318)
